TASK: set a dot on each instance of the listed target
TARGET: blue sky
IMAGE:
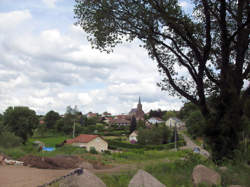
(47, 64)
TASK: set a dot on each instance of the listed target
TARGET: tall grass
(117, 180)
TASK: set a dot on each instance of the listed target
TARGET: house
(154, 120)
(106, 114)
(87, 141)
(122, 116)
(171, 122)
(107, 119)
(91, 115)
(133, 136)
(41, 122)
(120, 122)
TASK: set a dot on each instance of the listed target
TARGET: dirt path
(22, 176)
(191, 145)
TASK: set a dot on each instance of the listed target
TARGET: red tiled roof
(82, 138)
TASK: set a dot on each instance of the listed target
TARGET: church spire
(139, 100)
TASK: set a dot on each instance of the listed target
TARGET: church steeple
(139, 105)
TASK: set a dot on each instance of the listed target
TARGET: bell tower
(139, 105)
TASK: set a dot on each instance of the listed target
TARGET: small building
(106, 114)
(120, 122)
(133, 136)
(107, 119)
(171, 122)
(87, 141)
(154, 120)
(92, 115)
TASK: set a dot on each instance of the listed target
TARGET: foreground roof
(82, 138)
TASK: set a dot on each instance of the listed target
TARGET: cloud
(50, 68)
(9, 21)
(50, 3)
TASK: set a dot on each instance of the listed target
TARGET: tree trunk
(224, 126)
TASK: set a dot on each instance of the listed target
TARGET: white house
(154, 120)
(133, 136)
(171, 122)
(87, 141)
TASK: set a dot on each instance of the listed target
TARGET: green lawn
(50, 141)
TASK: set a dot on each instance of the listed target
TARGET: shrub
(9, 140)
(93, 150)
(107, 152)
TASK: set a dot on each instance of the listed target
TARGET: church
(137, 112)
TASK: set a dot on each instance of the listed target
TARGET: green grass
(140, 155)
(117, 180)
(50, 141)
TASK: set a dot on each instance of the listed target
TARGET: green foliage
(50, 141)
(196, 124)
(9, 140)
(160, 135)
(93, 150)
(21, 121)
(118, 180)
(132, 125)
(65, 124)
(51, 118)
(177, 173)
(156, 113)
(107, 152)
(91, 121)
(170, 114)
(186, 110)
(114, 144)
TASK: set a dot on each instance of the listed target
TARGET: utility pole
(74, 126)
(175, 145)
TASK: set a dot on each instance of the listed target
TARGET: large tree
(51, 118)
(209, 46)
(21, 121)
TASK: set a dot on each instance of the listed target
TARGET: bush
(113, 144)
(9, 140)
(107, 152)
(93, 150)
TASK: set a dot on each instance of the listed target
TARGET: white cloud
(50, 3)
(11, 20)
(50, 69)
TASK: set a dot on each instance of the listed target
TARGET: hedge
(114, 144)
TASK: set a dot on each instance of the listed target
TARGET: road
(191, 145)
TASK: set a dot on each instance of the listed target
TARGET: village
(108, 144)
(124, 93)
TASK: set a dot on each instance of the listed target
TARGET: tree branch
(171, 81)
(208, 30)
(247, 72)
(193, 74)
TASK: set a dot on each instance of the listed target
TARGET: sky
(46, 63)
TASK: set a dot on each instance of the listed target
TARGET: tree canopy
(21, 121)
(51, 118)
(200, 54)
